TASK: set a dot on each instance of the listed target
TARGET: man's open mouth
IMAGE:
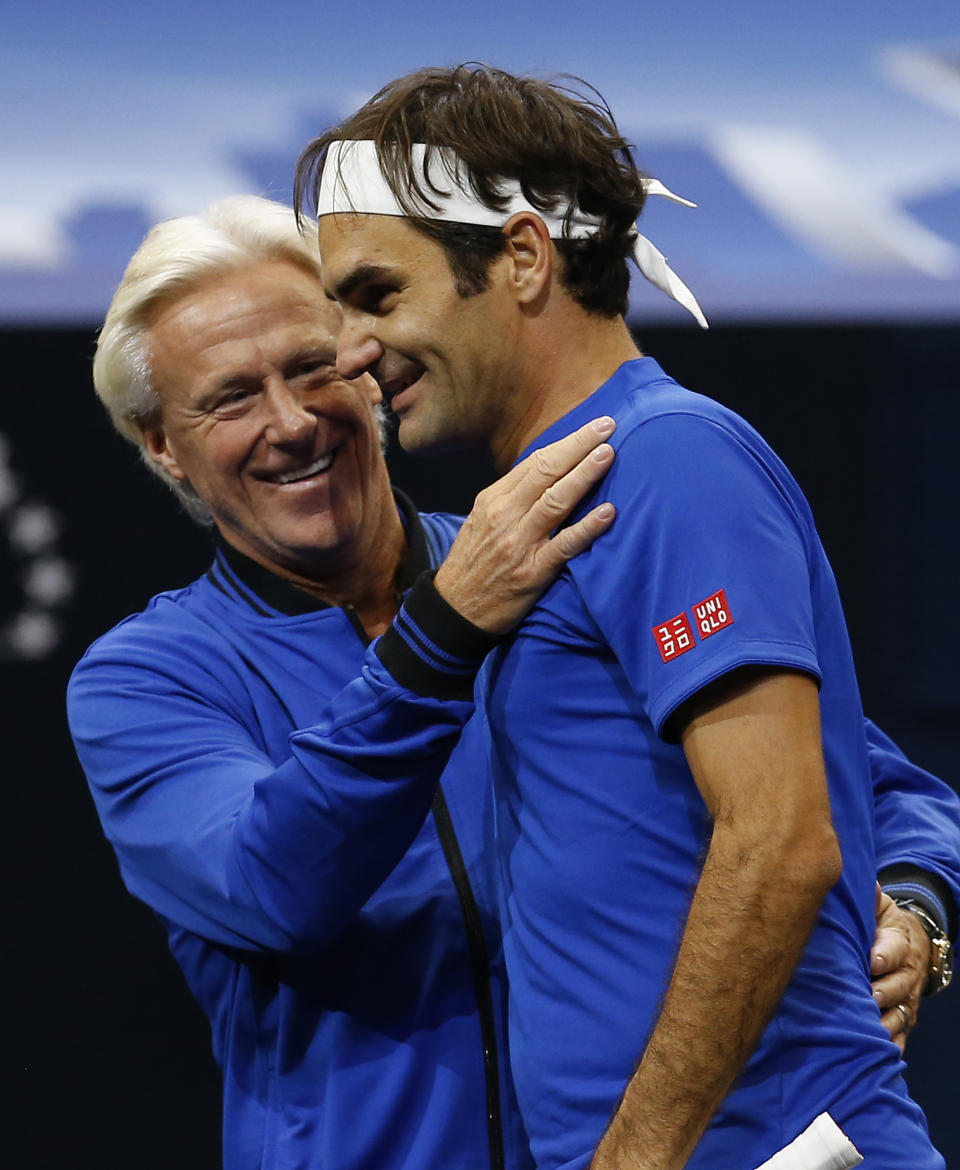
(322, 463)
(396, 386)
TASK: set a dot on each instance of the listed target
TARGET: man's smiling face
(443, 361)
(283, 450)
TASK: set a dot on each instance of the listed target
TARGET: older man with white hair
(325, 919)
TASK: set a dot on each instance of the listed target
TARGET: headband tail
(655, 187)
(653, 264)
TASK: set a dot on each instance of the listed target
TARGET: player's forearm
(751, 915)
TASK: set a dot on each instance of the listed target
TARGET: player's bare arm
(755, 753)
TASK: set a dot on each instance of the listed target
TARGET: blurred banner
(112, 1055)
(822, 145)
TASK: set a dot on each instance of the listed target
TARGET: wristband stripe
(430, 648)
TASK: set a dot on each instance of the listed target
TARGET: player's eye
(377, 298)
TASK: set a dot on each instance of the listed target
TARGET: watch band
(941, 948)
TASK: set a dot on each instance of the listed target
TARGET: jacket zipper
(480, 969)
(479, 961)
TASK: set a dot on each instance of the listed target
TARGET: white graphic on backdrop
(930, 75)
(820, 200)
(828, 182)
(44, 580)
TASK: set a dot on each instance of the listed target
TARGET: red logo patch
(674, 637)
(712, 615)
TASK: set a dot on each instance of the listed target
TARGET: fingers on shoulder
(577, 538)
(556, 459)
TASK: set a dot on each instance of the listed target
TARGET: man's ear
(530, 253)
(158, 449)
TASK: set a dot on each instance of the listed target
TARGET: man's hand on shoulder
(509, 549)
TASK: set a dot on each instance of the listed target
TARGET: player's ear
(158, 449)
(530, 256)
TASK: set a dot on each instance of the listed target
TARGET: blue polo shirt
(714, 563)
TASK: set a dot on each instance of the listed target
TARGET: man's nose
(289, 423)
(358, 351)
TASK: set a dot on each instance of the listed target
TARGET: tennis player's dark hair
(557, 138)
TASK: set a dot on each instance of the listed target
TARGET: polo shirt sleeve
(707, 566)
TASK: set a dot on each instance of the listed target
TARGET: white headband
(352, 182)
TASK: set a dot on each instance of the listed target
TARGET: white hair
(175, 258)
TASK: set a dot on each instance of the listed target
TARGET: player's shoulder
(669, 434)
(661, 403)
(671, 430)
(173, 618)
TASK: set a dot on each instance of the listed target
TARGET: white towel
(822, 1146)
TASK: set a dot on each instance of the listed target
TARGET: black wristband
(430, 648)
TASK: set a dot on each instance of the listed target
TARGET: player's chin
(418, 434)
(411, 435)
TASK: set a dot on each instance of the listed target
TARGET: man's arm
(917, 820)
(250, 852)
(753, 745)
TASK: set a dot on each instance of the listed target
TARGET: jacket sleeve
(227, 843)
(917, 819)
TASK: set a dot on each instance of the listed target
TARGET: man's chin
(418, 437)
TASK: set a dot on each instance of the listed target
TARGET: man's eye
(378, 298)
(306, 367)
(235, 399)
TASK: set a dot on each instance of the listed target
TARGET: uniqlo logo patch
(712, 615)
(674, 637)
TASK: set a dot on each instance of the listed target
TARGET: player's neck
(562, 368)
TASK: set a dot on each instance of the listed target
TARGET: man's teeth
(315, 468)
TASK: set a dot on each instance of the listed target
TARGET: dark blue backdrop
(109, 1051)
